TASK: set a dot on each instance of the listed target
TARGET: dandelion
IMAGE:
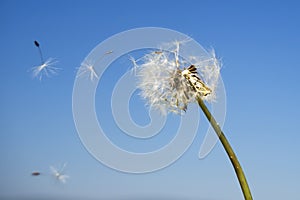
(59, 174)
(87, 68)
(46, 68)
(169, 85)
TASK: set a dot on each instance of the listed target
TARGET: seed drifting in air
(46, 67)
(35, 173)
(87, 67)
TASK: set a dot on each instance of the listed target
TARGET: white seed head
(168, 86)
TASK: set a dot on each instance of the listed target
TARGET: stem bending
(234, 161)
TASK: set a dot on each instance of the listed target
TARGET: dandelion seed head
(169, 86)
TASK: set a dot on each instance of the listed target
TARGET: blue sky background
(259, 45)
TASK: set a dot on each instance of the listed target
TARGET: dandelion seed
(46, 68)
(35, 173)
(59, 174)
(108, 52)
(87, 68)
(169, 85)
(135, 65)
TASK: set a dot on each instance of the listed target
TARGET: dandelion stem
(41, 55)
(233, 158)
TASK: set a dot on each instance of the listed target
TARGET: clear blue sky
(259, 45)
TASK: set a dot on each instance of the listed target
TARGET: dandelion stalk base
(234, 161)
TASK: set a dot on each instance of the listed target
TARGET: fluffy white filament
(46, 68)
(163, 84)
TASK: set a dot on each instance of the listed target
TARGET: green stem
(234, 161)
